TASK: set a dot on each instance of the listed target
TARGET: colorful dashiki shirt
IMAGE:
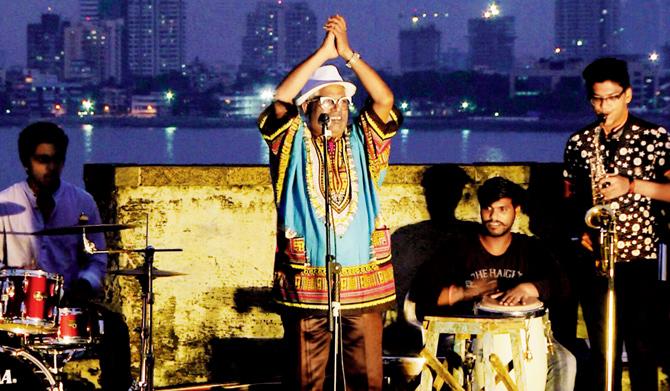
(357, 165)
(638, 150)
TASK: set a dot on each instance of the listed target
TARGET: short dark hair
(41, 133)
(604, 69)
(496, 188)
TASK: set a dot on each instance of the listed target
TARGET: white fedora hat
(324, 76)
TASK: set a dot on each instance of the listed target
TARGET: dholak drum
(533, 347)
(29, 300)
(21, 371)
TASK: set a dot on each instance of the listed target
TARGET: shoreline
(479, 123)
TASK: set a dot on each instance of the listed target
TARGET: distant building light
(404, 105)
(580, 42)
(557, 50)
(492, 11)
(496, 114)
(415, 19)
(654, 57)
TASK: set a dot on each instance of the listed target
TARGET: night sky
(215, 27)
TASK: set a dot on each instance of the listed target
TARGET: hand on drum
(519, 295)
(479, 288)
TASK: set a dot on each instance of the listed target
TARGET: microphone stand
(333, 268)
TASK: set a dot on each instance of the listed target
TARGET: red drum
(29, 300)
(76, 326)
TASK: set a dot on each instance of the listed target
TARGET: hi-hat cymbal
(141, 272)
(79, 229)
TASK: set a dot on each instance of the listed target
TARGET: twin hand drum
(509, 345)
(29, 305)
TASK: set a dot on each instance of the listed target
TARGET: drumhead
(13, 272)
(21, 371)
(491, 307)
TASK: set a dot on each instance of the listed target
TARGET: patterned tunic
(357, 165)
(638, 150)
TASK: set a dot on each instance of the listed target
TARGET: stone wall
(216, 322)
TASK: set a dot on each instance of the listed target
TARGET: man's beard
(501, 229)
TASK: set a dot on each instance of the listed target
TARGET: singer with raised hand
(619, 162)
(352, 160)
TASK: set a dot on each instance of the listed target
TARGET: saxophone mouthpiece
(602, 118)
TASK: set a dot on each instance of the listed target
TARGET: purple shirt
(62, 254)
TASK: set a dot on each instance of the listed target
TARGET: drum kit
(44, 335)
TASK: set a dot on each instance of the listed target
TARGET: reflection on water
(87, 134)
(169, 143)
(104, 144)
(465, 142)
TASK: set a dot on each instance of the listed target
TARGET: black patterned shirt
(638, 150)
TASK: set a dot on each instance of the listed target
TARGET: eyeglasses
(596, 100)
(327, 103)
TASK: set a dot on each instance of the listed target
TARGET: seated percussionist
(514, 269)
(43, 201)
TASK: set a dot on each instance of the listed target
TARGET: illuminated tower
(299, 33)
(260, 45)
(156, 36)
(491, 41)
(587, 28)
(45, 44)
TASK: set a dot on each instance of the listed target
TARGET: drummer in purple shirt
(46, 201)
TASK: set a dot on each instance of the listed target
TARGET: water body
(243, 145)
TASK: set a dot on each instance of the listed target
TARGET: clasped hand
(336, 42)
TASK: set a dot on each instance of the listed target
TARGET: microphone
(324, 120)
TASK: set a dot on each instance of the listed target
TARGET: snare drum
(29, 300)
(533, 346)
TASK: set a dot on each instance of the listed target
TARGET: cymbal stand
(146, 342)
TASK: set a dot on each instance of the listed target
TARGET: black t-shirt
(464, 259)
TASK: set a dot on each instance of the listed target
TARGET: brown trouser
(308, 344)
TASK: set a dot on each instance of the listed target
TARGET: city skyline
(215, 28)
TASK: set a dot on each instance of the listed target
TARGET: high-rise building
(45, 44)
(419, 48)
(300, 33)
(112, 9)
(260, 45)
(587, 29)
(88, 11)
(491, 41)
(156, 36)
(278, 36)
(93, 52)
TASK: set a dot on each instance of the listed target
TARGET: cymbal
(140, 272)
(78, 229)
(10, 209)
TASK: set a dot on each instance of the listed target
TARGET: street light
(87, 107)
(169, 96)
